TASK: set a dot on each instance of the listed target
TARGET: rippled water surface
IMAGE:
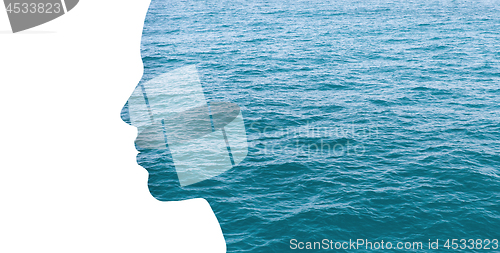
(376, 120)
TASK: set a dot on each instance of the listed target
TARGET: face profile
(315, 123)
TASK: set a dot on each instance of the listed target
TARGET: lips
(26, 14)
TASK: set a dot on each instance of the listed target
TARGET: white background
(69, 181)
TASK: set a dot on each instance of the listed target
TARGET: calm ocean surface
(375, 120)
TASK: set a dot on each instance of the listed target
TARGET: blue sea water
(375, 120)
